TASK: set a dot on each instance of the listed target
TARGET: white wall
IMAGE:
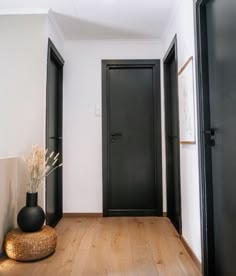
(182, 24)
(55, 34)
(22, 82)
(8, 192)
(23, 72)
(82, 129)
(13, 179)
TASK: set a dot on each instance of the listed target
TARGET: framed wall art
(186, 103)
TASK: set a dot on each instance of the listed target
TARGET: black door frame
(53, 53)
(203, 107)
(172, 50)
(155, 65)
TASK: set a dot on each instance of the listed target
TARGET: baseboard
(165, 214)
(192, 254)
(133, 212)
(82, 215)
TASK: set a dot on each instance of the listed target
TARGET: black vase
(31, 217)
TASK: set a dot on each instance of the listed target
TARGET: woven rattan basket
(22, 246)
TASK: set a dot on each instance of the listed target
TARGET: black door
(54, 133)
(132, 138)
(172, 136)
(217, 36)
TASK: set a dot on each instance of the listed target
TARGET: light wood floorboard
(111, 246)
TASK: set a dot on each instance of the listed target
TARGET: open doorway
(172, 136)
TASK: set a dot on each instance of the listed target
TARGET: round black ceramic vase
(31, 217)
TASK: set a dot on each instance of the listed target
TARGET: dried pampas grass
(39, 165)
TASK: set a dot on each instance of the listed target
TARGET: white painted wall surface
(8, 192)
(54, 33)
(82, 129)
(182, 24)
(13, 179)
(22, 82)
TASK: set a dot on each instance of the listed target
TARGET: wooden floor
(111, 246)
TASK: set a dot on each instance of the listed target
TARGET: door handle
(56, 137)
(115, 136)
(211, 131)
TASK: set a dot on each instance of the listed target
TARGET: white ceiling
(102, 19)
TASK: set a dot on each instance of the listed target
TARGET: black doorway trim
(172, 50)
(203, 107)
(54, 54)
(155, 65)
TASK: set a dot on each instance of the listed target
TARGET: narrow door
(219, 132)
(132, 138)
(172, 136)
(54, 134)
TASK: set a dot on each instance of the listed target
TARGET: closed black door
(219, 107)
(221, 22)
(133, 138)
(54, 134)
(172, 136)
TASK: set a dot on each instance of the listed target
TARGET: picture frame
(186, 103)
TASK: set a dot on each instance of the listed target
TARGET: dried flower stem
(39, 166)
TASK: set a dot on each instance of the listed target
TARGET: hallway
(84, 34)
(111, 246)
